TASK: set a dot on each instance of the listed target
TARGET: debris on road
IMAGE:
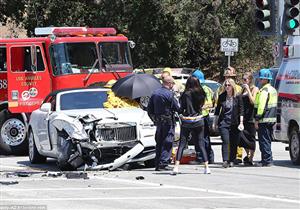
(74, 175)
(9, 182)
(139, 178)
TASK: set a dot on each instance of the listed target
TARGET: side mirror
(46, 107)
(33, 58)
(131, 44)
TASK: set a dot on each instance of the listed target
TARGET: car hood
(123, 114)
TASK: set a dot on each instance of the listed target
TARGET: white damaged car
(74, 127)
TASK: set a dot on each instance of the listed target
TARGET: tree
(173, 33)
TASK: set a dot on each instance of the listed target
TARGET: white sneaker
(207, 171)
(175, 170)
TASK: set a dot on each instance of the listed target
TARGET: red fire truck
(58, 58)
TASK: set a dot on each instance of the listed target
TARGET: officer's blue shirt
(163, 102)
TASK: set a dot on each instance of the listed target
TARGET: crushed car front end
(104, 142)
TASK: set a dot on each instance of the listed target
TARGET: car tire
(34, 155)
(13, 139)
(294, 145)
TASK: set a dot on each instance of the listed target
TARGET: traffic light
(291, 17)
(266, 17)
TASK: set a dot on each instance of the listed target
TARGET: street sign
(229, 44)
(229, 53)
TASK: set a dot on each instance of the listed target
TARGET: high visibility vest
(265, 104)
(208, 103)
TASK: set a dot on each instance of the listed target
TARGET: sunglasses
(227, 85)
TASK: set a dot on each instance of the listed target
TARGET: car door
(43, 125)
(28, 76)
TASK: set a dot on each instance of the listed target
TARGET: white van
(288, 86)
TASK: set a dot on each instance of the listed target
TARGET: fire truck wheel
(12, 134)
(295, 146)
(34, 155)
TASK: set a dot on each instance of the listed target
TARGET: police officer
(265, 118)
(208, 104)
(161, 108)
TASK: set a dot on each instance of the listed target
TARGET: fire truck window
(21, 60)
(73, 58)
(3, 59)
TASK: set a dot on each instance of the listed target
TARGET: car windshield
(82, 58)
(83, 100)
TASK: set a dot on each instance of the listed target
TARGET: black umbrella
(136, 85)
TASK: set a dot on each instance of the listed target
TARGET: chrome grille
(116, 132)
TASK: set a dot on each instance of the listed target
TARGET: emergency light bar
(74, 31)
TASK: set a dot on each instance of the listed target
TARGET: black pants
(164, 138)
(207, 144)
(197, 137)
(230, 138)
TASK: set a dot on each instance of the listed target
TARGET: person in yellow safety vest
(265, 116)
(230, 73)
(208, 104)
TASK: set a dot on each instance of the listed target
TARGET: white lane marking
(81, 188)
(121, 198)
(203, 190)
(13, 167)
(175, 187)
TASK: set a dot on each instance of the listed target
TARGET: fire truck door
(28, 76)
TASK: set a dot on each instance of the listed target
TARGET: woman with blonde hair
(230, 112)
(249, 92)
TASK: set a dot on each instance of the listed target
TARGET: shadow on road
(50, 165)
(285, 163)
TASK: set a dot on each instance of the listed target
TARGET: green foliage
(175, 33)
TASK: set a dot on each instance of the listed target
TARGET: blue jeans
(265, 138)
(164, 138)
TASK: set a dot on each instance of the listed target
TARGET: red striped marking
(294, 97)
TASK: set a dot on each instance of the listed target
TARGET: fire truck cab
(287, 128)
(58, 58)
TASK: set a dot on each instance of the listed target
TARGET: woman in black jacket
(192, 122)
(230, 111)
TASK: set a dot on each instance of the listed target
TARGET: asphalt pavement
(26, 186)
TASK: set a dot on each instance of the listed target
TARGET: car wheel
(295, 146)
(12, 134)
(34, 155)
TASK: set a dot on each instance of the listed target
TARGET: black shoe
(211, 162)
(263, 164)
(246, 159)
(164, 168)
(237, 161)
(225, 164)
(249, 163)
